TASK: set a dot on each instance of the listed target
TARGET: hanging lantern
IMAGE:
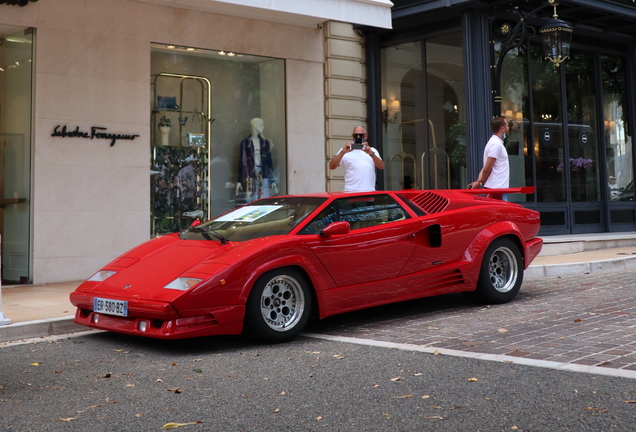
(557, 37)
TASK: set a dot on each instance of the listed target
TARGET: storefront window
(514, 108)
(16, 47)
(423, 114)
(618, 140)
(548, 145)
(583, 141)
(218, 133)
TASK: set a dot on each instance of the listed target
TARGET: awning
(374, 13)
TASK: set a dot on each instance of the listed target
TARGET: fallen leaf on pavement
(426, 396)
(437, 352)
(578, 320)
(319, 418)
(434, 418)
(601, 410)
(433, 328)
(629, 401)
(176, 425)
(35, 364)
(277, 410)
(338, 356)
(396, 379)
(473, 379)
(502, 330)
(402, 397)
(176, 390)
(68, 418)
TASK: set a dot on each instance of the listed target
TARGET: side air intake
(430, 202)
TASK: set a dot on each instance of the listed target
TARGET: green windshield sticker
(247, 214)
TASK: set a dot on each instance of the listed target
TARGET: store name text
(95, 133)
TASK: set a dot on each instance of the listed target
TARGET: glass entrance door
(423, 114)
(577, 140)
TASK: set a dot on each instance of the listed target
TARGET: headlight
(183, 284)
(102, 275)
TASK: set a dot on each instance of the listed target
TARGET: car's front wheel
(501, 272)
(278, 307)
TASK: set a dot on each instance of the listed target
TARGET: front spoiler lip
(161, 320)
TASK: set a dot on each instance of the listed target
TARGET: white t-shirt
(359, 171)
(499, 177)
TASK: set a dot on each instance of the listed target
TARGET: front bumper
(161, 320)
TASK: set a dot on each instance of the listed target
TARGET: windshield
(266, 217)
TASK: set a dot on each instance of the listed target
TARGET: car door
(378, 246)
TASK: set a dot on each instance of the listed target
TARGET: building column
(345, 92)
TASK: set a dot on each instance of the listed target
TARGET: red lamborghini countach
(265, 268)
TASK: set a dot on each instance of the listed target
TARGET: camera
(357, 143)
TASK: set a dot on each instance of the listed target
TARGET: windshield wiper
(207, 233)
(220, 237)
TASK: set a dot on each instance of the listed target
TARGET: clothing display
(255, 170)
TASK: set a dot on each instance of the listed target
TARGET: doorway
(570, 137)
(423, 115)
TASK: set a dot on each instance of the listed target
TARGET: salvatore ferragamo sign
(17, 2)
(95, 133)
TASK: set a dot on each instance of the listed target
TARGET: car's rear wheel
(501, 272)
(278, 307)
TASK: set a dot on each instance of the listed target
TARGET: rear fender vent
(431, 202)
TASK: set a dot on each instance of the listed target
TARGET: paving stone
(588, 320)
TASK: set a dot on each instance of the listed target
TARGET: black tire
(278, 307)
(501, 272)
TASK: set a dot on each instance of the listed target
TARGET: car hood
(143, 272)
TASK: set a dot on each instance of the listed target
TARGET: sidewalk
(43, 310)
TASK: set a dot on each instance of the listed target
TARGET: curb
(579, 269)
(39, 328)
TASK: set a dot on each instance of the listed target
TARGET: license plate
(110, 307)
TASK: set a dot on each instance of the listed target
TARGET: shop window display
(218, 133)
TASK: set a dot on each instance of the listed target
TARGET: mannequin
(256, 171)
(164, 130)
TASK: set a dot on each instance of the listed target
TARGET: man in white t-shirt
(496, 172)
(359, 164)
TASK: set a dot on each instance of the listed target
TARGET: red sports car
(264, 268)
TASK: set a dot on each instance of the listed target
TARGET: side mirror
(336, 228)
(195, 222)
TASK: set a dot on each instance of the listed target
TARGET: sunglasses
(358, 135)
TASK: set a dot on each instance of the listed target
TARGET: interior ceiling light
(231, 54)
(170, 46)
(189, 49)
(221, 52)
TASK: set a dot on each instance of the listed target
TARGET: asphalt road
(110, 382)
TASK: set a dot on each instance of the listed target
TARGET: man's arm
(335, 162)
(377, 161)
(484, 173)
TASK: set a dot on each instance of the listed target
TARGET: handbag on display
(167, 102)
(195, 139)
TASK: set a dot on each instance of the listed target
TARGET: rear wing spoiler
(483, 191)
